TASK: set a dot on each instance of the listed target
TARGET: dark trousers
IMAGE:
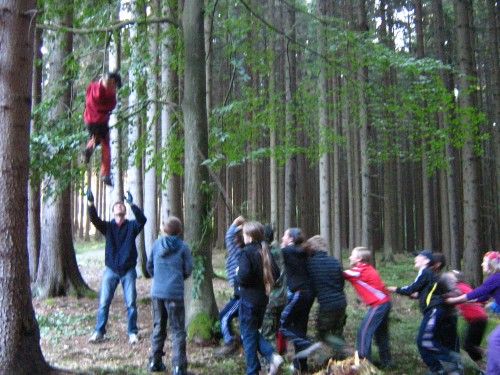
(271, 324)
(226, 316)
(251, 317)
(473, 337)
(293, 323)
(330, 323)
(375, 324)
(437, 340)
(164, 310)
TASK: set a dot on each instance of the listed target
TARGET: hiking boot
(96, 337)
(133, 339)
(275, 365)
(156, 365)
(107, 180)
(227, 349)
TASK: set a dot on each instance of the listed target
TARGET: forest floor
(66, 324)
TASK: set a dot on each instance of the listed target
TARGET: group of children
(274, 290)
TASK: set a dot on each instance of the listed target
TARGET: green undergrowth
(82, 247)
(56, 325)
(201, 329)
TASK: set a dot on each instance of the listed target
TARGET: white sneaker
(133, 339)
(309, 350)
(96, 337)
(276, 362)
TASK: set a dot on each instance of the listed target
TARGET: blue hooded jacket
(169, 263)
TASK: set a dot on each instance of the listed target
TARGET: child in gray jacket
(170, 263)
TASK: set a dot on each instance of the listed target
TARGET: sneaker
(275, 365)
(107, 180)
(227, 349)
(96, 337)
(133, 339)
(157, 365)
(179, 370)
(309, 350)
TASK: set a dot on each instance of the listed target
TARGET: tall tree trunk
(200, 294)
(470, 162)
(366, 184)
(19, 334)
(34, 204)
(150, 183)
(171, 202)
(290, 139)
(324, 161)
(58, 272)
(137, 82)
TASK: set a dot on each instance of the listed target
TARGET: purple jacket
(490, 288)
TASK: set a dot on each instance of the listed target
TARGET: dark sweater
(327, 281)
(170, 263)
(423, 284)
(250, 276)
(120, 250)
(297, 276)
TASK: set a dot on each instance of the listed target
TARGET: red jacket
(99, 102)
(471, 311)
(368, 284)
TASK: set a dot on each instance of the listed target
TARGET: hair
(268, 233)
(438, 261)
(458, 275)
(297, 236)
(255, 231)
(315, 243)
(364, 253)
(446, 282)
(115, 76)
(173, 226)
(492, 259)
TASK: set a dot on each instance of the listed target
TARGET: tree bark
(470, 162)
(19, 334)
(200, 294)
(58, 273)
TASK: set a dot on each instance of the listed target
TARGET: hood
(169, 245)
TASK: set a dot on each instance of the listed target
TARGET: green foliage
(57, 325)
(202, 327)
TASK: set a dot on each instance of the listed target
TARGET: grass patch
(82, 247)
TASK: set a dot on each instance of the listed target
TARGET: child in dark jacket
(371, 289)
(170, 263)
(256, 275)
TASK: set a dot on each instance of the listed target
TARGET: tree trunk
(470, 163)
(58, 272)
(200, 294)
(290, 140)
(150, 183)
(137, 83)
(19, 334)
(34, 204)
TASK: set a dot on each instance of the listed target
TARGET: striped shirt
(233, 254)
(367, 282)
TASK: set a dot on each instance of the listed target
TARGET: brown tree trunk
(58, 272)
(200, 294)
(470, 163)
(19, 335)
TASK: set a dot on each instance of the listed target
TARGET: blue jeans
(226, 316)
(375, 323)
(109, 283)
(251, 317)
(173, 312)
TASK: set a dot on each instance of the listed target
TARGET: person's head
(315, 243)
(491, 262)
(268, 233)
(119, 212)
(253, 231)
(438, 262)
(424, 259)
(360, 254)
(292, 236)
(113, 80)
(459, 276)
(173, 226)
(447, 282)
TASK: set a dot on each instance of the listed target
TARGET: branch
(113, 27)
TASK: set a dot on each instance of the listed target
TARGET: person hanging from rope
(100, 100)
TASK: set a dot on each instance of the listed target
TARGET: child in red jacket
(475, 315)
(100, 100)
(371, 289)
